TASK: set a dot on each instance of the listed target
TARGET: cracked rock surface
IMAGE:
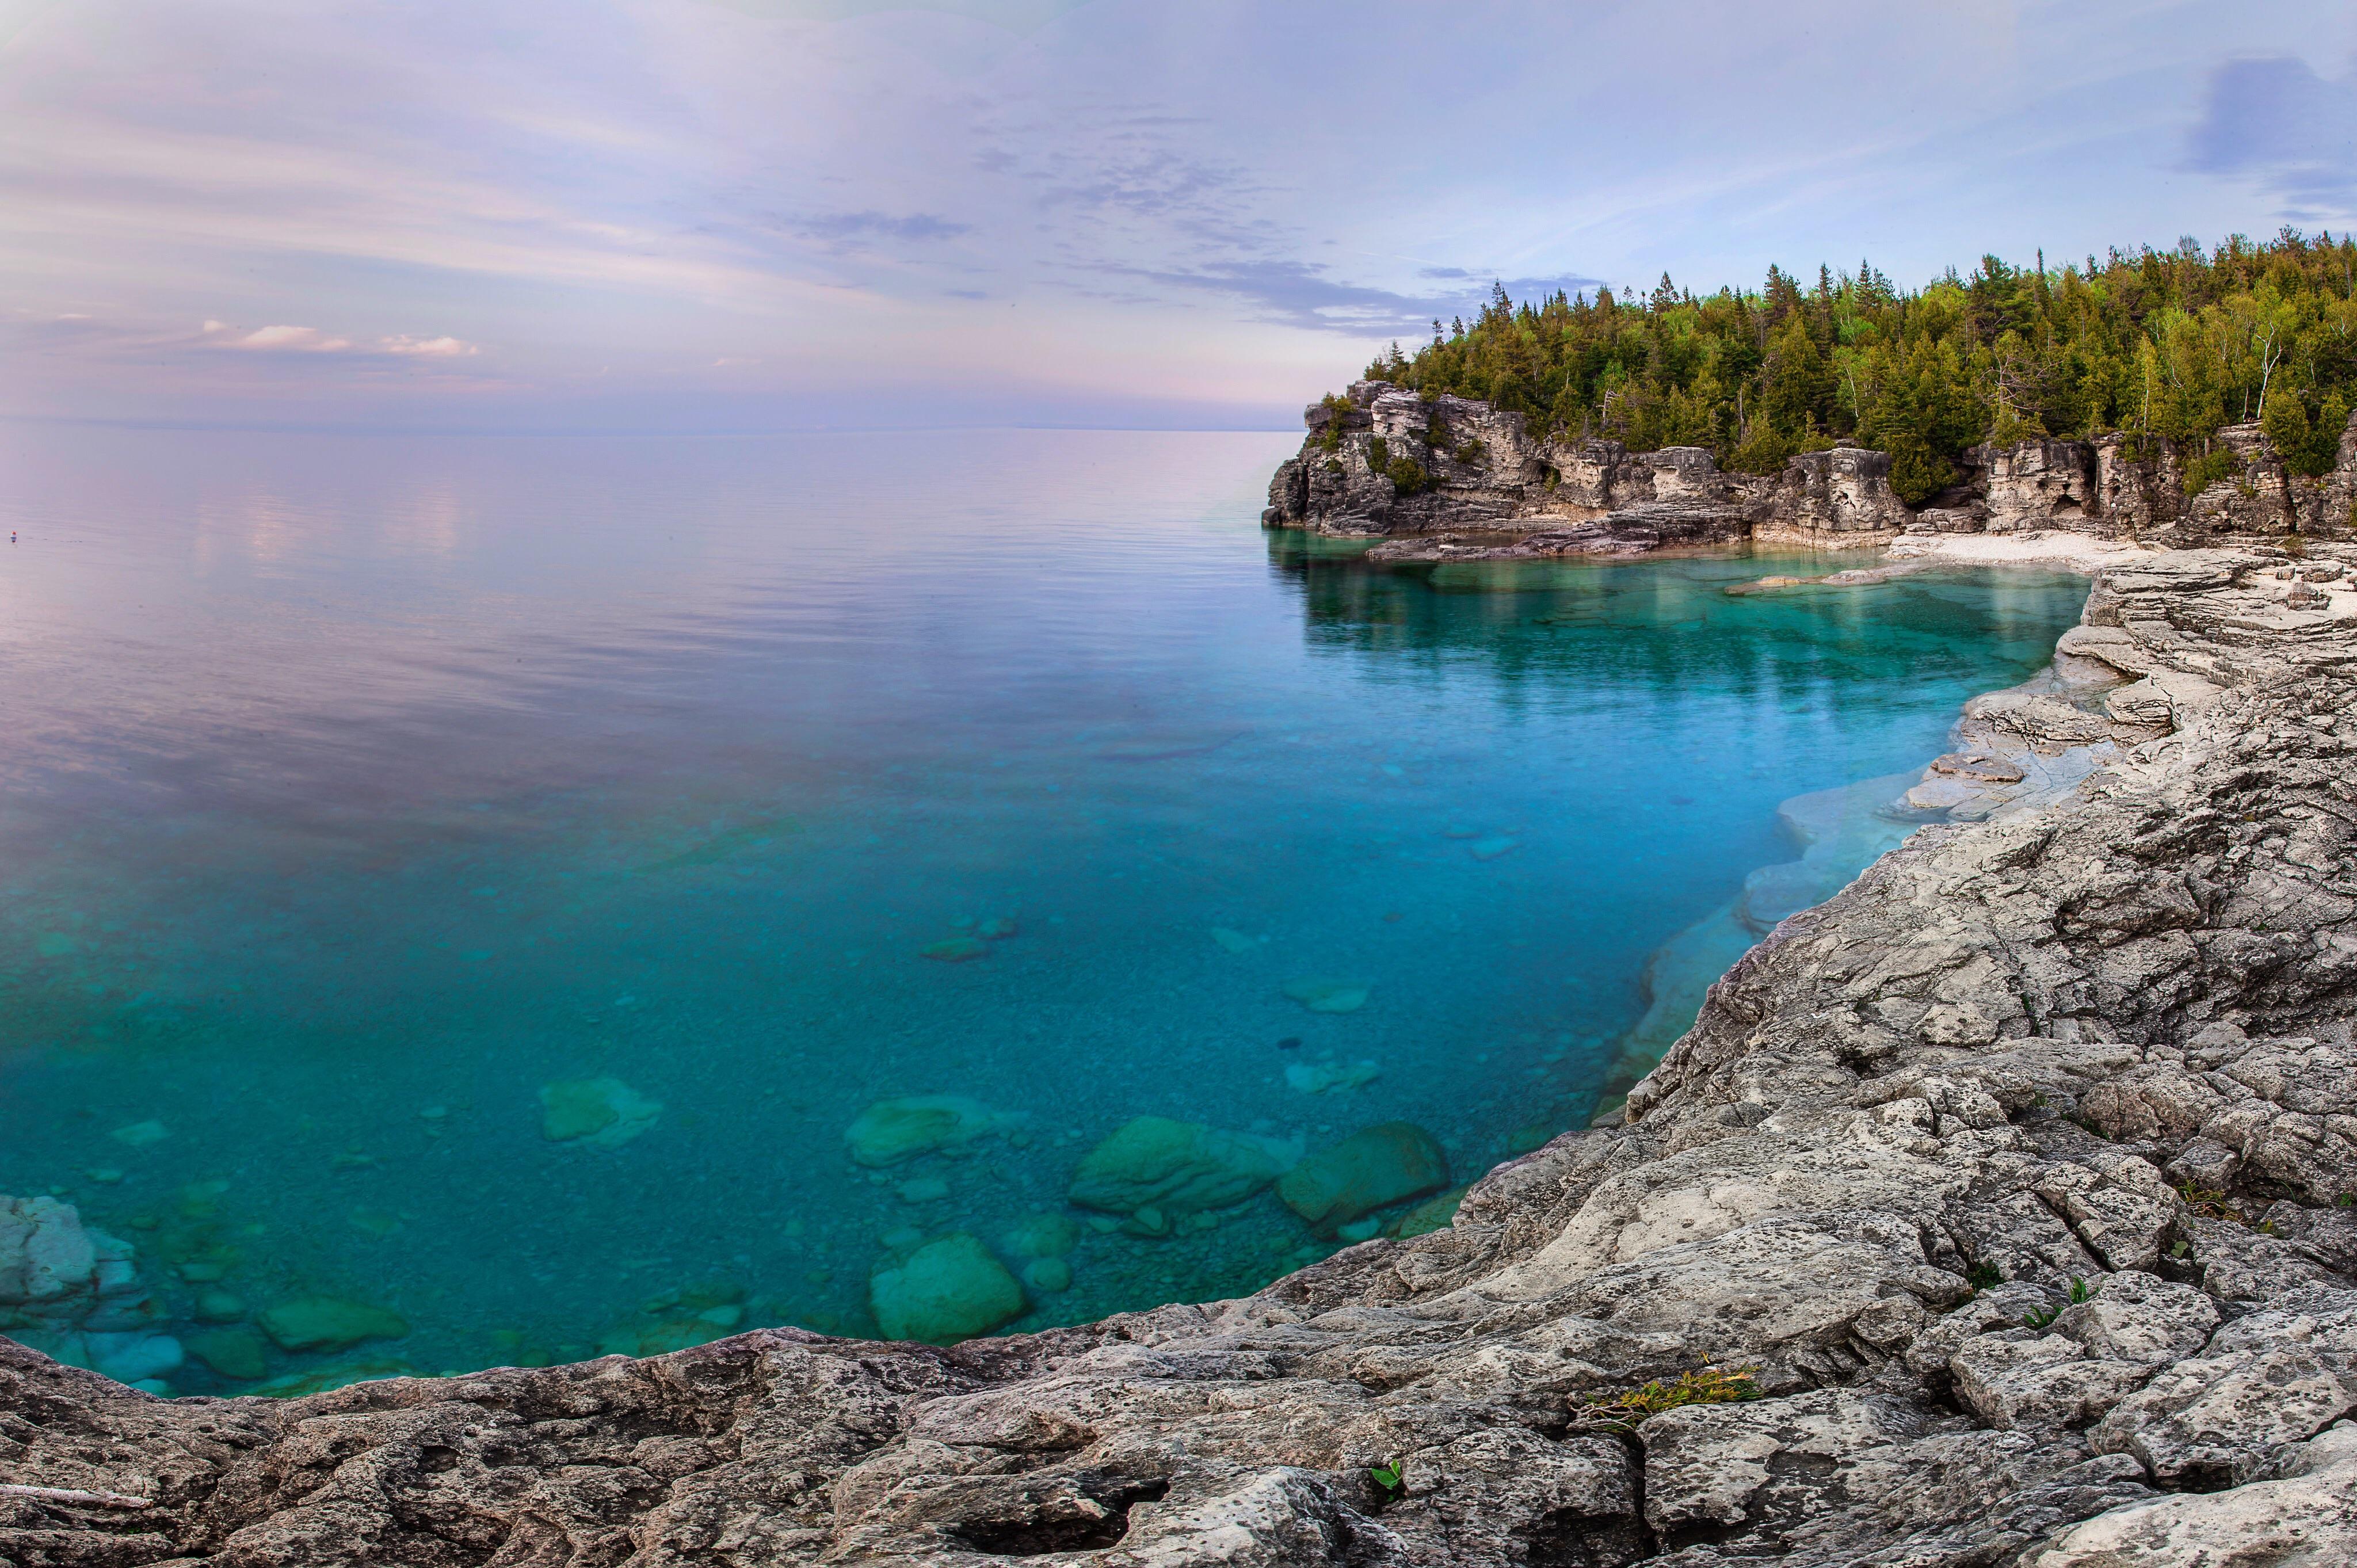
(2014, 1177)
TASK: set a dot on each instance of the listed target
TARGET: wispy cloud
(287, 339)
(2275, 118)
(913, 226)
(1305, 294)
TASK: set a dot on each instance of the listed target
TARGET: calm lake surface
(358, 790)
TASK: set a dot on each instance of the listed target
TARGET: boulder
(329, 1322)
(2216, 1419)
(945, 1291)
(1376, 1166)
(892, 1131)
(602, 1111)
(55, 1269)
(1178, 1167)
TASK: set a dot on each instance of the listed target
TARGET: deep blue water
(357, 789)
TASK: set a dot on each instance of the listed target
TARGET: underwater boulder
(329, 1322)
(1435, 1213)
(54, 1270)
(1329, 1076)
(604, 1112)
(1175, 1168)
(342, 1375)
(132, 1356)
(1040, 1236)
(1049, 1274)
(892, 1131)
(945, 1291)
(1327, 995)
(1385, 1164)
(236, 1353)
(956, 950)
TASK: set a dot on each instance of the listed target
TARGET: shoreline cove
(2009, 1185)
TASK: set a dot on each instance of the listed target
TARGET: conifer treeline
(2164, 346)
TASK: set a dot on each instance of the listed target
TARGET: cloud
(280, 339)
(883, 226)
(311, 341)
(2275, 117)
(429, 348)
(1301, 293)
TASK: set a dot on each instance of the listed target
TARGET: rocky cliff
(1994, 1212)
(1450, 477)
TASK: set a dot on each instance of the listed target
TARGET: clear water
(355, 789)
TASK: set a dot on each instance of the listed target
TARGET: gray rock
(2305, 1517)
(2219, 1418)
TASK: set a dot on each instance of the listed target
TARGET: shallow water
(355, 789)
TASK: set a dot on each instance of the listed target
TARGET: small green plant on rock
(2081, 1292)
(1984, 1276)
(2210, 1203)
(1408, 476)
(1704, 1385)
(1387, 1479)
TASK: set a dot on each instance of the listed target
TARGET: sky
(744, 215)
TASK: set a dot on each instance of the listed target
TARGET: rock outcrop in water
(1452, 478)
(2014, 1182)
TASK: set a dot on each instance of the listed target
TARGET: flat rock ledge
(2018, 1178)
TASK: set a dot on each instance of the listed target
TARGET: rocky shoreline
(1996, 1211)
(1450, 478)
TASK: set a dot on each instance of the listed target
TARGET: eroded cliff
(1449, 477)
(2014, 1182)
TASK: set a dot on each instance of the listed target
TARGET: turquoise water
(357, 790)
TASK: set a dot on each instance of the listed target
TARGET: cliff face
(2011, 1182)
(1384, 463)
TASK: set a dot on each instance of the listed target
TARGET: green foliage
(1379, 453)
(1470, 452)
(2209, 469)
(2210, 1203)
(1329, 439)
(2162, 347)
(1705, 1385)
(1408, 476)
(1387, 1478)
(2081, 1292)
(1984, 1276)
(2039, 1316)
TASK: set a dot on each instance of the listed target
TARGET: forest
(2157, 346)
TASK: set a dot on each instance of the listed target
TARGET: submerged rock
(945, 1291)
(1049, 1274)
(603, 1112)
(56, 1272)
(1330, 1077)
(1327, 995)
(237, 1353)
(892, 1131)
(1175, 1168)
(1040, 1236)
(1435, 1213)
(325, 1380)
(1373, 1167)
(956, 950)
(1234, 941)
(329, 1322)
